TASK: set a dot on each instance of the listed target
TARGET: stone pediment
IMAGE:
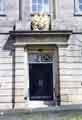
(41, 37)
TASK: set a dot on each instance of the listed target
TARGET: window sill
(78, 15)
(32, 14)
(2, 15)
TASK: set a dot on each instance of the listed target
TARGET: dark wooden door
(41, 81)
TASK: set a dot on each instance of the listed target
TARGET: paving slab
(44, 115)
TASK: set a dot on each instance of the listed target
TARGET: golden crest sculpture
(40, 22)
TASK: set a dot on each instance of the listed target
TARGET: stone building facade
(20, 45)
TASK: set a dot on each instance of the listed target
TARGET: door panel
(41, 81)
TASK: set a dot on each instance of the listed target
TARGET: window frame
(77, 11)
(40, 12)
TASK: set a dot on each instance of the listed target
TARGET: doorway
(41, 75)
(42, 84)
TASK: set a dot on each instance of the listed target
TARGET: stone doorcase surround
(22, 40)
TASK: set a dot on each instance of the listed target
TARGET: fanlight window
(40, 58)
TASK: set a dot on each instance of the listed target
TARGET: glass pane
(34, 8)
(34, 1)
(46, 58)
(2, 5)
(45, 1)
(32, 58)
(80, 6)
(39, 8)
(40, 1)
(80, 1)
(45, 8)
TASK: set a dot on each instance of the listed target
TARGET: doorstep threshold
(61, 108)
(58, 108)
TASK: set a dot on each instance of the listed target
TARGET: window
(78, 7)
(40, 6)
(80, 4)
(2, 7)
(41, 17)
